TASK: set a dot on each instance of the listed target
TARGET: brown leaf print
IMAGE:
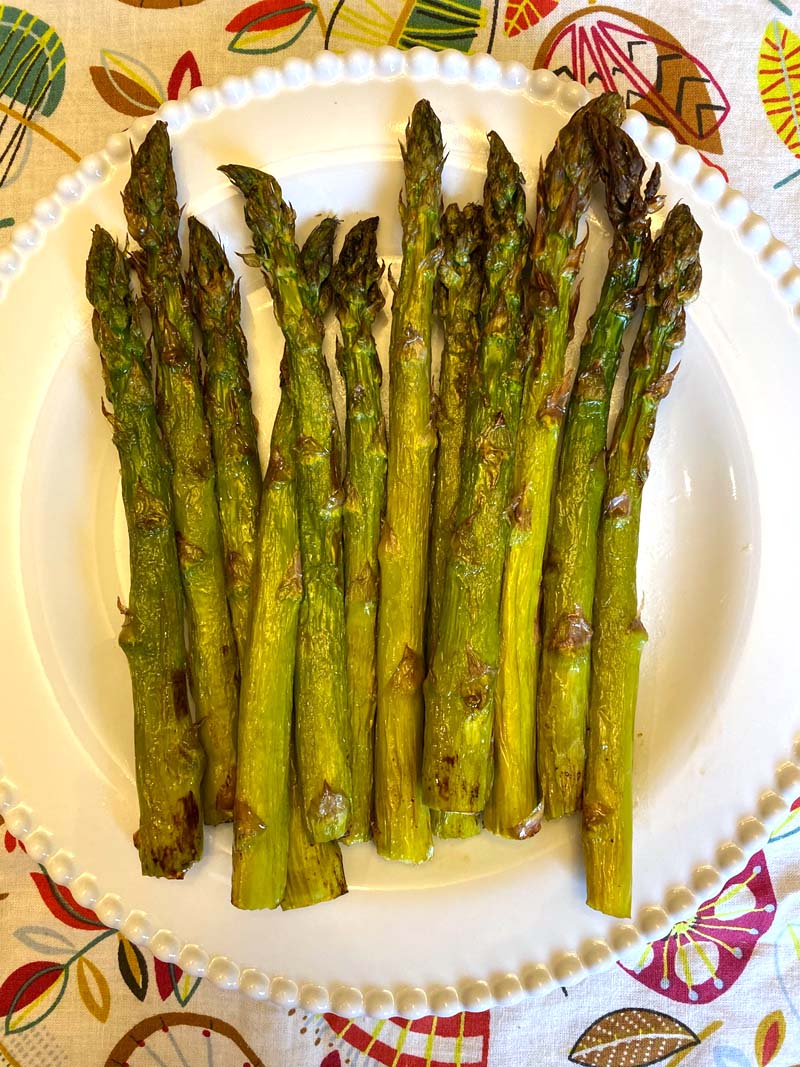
(127, 85)
(632, 1037)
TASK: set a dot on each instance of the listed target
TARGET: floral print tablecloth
(722, 989)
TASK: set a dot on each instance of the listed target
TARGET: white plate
(487, 920)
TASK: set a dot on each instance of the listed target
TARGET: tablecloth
(722, 989)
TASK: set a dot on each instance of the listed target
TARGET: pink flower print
(701, 958)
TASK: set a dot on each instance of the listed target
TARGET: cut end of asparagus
(150, 197)
(455, 825)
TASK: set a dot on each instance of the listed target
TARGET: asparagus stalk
(234, 433)
(358, 299)
(565, 184)
(458, 296)
(316, 872)
(673, 279)
(459, 689)
(320, 680)
(153, 216)
(569, 572)
(169, 759)
(402, 824)
(455, 824)
(261, 814)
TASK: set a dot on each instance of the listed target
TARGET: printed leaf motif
(779, 82)
(462, 1039)
(701, 958)
(650, 69)
(522, 14)
(41, 939)
(185, 68)
(770, 1036)
(126, 84)
(30, 993)
(93, 988)
(436, 24)
(632, 1037)
(133, 967)
(32, 62)
(269, 26)
(62, 905)
(170, 980)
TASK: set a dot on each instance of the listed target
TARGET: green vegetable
(261, 814)
(316, 872)
(458, 296)
(673, 279)
(459, 689)
(169, 759)
(323, 724)
(357, 295)
(153, 215)
(455, 824)
(234, 434)
(565, 184)
(402, 824)
(569, 572)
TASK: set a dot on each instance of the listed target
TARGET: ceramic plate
(486, 921)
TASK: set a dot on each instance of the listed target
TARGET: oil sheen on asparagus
(168, 756)
(217, 305)
(402, 825)
(459, 689)
(673, 279)
(358, 299)
(323, 726)
(153, 216)
(569, 572)
(565, 184)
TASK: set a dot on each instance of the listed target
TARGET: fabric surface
(723, 989)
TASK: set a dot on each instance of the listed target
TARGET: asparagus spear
(458, 296)
(153, 215)
(169, 759)
(569, 573)
(234, 434)
(565, 184)
(316, 872)
(358, 299)
(320, 680)
(459, 689)
(261, 814)
(673, 279)
(402, 825)
(455, 824)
